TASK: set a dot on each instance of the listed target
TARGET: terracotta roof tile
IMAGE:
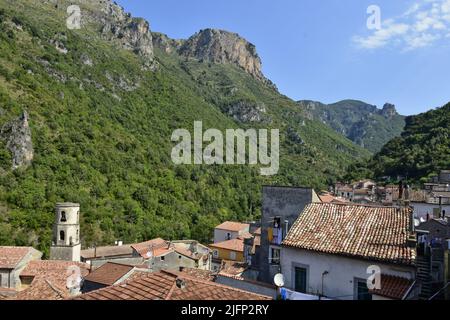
(393, 287)
(198, 273)
(49, 279)
(233, 226)
(232, 269)
(144, 247)
(233, 245)
(163, 286)
(10, 257)
(109, 273)
(373, 233)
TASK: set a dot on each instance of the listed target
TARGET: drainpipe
(323, 276)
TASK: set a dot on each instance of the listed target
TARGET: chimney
(181, 284)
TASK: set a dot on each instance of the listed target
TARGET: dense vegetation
(364, 124)
(101, 135)
(421, 152)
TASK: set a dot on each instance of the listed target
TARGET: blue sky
(323, 50)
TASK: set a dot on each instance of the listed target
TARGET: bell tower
(66, 244)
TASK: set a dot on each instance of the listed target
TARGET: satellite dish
(279, 280)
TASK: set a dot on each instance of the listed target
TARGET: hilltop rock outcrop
(389, 111)
(218, 46)
(17, 135)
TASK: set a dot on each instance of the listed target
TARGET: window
(277, 222)
(62, 236)
(301, 275)
(63, 216)
(215, 254)
(362, 291)
(162, 258)
(274, 256)
(71, 241)
(232, 255)
(228, 236)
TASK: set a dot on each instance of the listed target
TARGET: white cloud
(421, 25)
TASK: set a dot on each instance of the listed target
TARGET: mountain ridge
(363, 123)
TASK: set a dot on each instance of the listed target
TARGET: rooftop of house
(198, 273)
(232, 269)
(109, 273)
(329, 198)
(393, 287)
(157, 245)
(10, 257)
(233, 226)
(367, 232)
(233, 245)
(49, 279)
(168, 286)
(107, 251)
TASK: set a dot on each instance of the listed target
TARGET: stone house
(281, 207)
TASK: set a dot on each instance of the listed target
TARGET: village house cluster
(307, 246)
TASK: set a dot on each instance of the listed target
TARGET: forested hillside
(101, 104)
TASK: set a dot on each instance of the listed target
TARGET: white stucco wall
(421, 209)
(221, 235)
(339, 283)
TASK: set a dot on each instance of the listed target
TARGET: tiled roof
(233, 245)
(393, 287)
(373, 233)
(232, 269)
(109, 273)
(328, 198)
(107, 251)
(144, 247)
(233, 226)
(43, 289)
(7, 292)
(163, 286)
(10, 257)
(50, 279)
(198, 273)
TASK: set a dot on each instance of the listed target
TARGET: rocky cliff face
(17, 135)
(389, 111)
(218, 46)
(247, 112)
(131, 33)
(166, 44)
